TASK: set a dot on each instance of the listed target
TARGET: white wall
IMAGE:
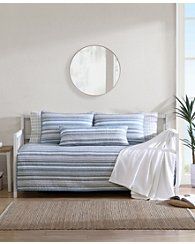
(37, 42)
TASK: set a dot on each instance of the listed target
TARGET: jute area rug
(95, 214)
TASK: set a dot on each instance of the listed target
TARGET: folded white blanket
(148, 169)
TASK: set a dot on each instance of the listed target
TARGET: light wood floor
(90, 235)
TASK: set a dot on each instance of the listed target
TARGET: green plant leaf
(187, 103)
(186, 111)
(182, 105)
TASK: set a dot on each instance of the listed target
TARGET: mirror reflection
(95, 70)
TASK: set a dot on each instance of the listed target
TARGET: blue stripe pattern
(51, 122)
(135, 123)
(95, 136)
(50, 167)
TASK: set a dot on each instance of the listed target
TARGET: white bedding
(148, 169)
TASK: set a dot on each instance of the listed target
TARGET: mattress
(47, 167)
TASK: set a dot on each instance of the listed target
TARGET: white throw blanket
(148, 169)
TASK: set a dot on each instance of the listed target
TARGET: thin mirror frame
(92, 45)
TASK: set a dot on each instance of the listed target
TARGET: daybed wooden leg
(18, 141)
(15, 194)
(14, 178)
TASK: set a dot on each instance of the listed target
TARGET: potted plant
(186, 111)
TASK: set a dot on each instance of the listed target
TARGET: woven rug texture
(95, 214)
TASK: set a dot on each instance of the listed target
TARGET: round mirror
(94, 70)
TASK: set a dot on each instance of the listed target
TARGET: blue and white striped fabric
(50, 167)
(35, 119)
(150, 125)
(51, 122)
(94, 136)
(135, 123)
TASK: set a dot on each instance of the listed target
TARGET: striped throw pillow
(51, 122)
(35, 119)
(135, 123)
(94, 136)
(150, 125)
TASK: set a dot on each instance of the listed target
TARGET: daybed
(47, 166)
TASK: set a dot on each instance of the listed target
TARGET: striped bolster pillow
(135, 123)
(51, 122)
(94, 136)
(35, 119)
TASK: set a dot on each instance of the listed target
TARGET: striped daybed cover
(49, 167)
